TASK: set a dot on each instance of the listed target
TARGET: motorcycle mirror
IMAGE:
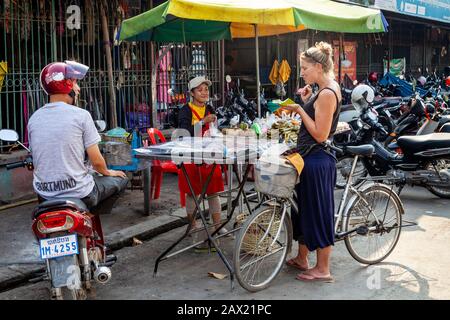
(9, 135)
(419, 70)
(101, 125)
(228, 78)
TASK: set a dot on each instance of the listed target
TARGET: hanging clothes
(3, 72)
(284, 72)
(273, 77)
(60, 27)
(6, 13)
(198, 66)
(163, 77)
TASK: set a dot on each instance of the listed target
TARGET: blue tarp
(405, 89)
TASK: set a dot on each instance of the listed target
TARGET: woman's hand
(209, 118)
(305, 92)
(291, 107)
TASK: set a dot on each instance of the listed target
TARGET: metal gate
(180, 63)
(34, 33)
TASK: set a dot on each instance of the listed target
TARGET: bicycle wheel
(377, 215)
(261, 247)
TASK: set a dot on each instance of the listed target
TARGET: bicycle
(372, 213)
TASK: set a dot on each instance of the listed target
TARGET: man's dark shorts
(105, 188)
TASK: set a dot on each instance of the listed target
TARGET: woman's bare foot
(298, 263)
(314, 274)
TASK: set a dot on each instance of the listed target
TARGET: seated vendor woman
(196, 117)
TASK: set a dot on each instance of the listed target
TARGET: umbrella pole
(257, 72)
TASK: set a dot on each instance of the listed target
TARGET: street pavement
(417, 269)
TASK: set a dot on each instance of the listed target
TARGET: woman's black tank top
(305, 141)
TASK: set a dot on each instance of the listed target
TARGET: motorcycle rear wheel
(343, 168)
(441, 192)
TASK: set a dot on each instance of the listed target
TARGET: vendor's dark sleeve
(211, 110)
(185, 120)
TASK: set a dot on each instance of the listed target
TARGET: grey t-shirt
(59, 134)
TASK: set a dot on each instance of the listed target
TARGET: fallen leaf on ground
(217, 275)
(136, 242)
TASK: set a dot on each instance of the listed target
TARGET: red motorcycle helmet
(373, 77)
(447, 81)
(58, 77)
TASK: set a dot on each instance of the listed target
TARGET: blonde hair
(322, 53)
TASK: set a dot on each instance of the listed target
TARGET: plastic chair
(161, 167)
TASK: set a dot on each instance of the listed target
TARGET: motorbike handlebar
(15, 165)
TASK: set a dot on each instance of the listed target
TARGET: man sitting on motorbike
(60, 134)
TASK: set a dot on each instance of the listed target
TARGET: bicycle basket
(277, 179)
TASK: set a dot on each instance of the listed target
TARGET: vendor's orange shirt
(199, 110)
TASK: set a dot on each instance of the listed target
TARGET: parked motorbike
(424, 117)
(425, 160)
(70, 240)
(237, 109)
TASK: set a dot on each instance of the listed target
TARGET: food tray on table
(219, 150)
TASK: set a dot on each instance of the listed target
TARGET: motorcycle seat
(414, 144)
(391, 105)
(444, 119)
(62, 203)
(364, 150)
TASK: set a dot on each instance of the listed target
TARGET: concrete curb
(13, 276)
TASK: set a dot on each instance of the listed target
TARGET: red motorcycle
(70, 241)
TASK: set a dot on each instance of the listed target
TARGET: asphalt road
(417, 269)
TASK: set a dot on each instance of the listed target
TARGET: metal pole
(257, 71)
(107, 44)
(222, 70)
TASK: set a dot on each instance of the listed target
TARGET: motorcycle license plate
(59, 247)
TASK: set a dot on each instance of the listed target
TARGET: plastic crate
(123, 157)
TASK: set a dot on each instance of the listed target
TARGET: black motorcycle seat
(391, 105)
(444, 119)
(413, 144)
(364, 150)
(62, 203)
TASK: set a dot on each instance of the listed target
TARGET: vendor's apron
(198, 174)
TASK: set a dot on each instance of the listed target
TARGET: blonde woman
(314, 226)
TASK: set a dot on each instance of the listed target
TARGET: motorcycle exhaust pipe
(102, 275)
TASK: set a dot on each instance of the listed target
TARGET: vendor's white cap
(197, 81)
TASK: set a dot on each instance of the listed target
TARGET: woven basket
(254, 234)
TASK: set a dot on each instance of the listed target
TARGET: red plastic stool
(161, 167)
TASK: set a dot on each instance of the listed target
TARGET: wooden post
(54, 47)
(341, 52)
(107, 46)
